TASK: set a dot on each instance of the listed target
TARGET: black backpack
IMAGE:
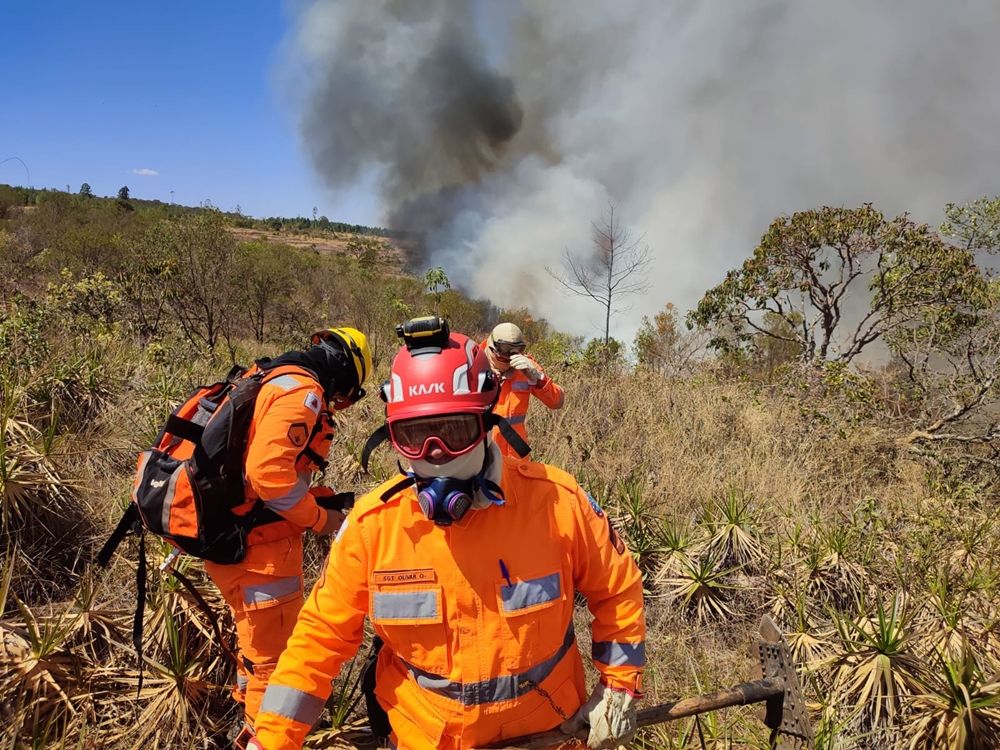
(188, 483)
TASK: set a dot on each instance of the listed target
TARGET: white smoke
(701, 119)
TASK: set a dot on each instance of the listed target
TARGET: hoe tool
(784, 708)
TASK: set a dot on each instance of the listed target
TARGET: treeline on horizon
(17, 195)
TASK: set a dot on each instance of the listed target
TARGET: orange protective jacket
(515, 396)
(477, 617)
(290, 435)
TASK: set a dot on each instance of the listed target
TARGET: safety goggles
(506, 349)
(455, 434)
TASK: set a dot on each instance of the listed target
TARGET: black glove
(327, 498)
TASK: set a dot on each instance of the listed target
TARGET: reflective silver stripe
(405, 605)
(502, 688)
(619, 654)
(521, 385)
(294, 495)
(285, 382)
(293, 704)
(460, 379)
(268, 592)
(242, 681)
(524, 594)
(168, 500)
(517, 419)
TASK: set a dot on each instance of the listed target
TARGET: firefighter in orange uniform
(289, 437)
(521, 377)
(467, 566)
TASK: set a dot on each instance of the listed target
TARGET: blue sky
(92, 91)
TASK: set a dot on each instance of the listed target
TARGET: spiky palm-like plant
(42, 682)
(636, 523)
(735, 534)
(809, 644)
(178, 691)
(877, 668)
(675, 543)
(944, 625)
(959, 710)
(702, 589)
(832, 578)
(40, 512)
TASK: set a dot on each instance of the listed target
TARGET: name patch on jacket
(383, 577)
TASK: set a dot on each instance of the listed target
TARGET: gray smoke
(401, 87)
(702, 119)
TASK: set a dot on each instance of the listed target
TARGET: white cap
(508, 333)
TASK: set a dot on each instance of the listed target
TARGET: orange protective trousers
(265, 594)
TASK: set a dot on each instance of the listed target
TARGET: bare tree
(615, 267)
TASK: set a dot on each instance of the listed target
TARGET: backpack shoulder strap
(129, 522)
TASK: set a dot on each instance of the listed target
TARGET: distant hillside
(16, 195)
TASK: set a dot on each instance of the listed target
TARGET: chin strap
(490, 489)
(516, 442)
(374, 441)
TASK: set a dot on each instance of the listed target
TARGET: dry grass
(738, 498)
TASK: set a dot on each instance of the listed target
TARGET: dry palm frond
(95, 628)
(40, 513)
(810, 646)
(42, 682)
(31, 490)
(675, 546)
(702, 589)
(877, 668)
(945, 624)
(960, 710)
(735, 535)
(177, 692)
(833, 580)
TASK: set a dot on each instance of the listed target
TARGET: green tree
(365, 250)
(436, 283)
(202, 288)
(123, 193)
(950, 357)
(974, 226)
(267, 273)
(813, 270)
(85, 190)
(662, 345)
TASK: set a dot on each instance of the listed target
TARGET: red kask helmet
(437, 373)
(436, 379)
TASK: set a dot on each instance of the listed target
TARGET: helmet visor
(455, 433)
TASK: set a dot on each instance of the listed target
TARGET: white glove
(528, 366)
(610, 715)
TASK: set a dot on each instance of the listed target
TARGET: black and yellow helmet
(355, 343)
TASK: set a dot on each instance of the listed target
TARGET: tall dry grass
(738, 495)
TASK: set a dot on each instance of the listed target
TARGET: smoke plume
(503, 130)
